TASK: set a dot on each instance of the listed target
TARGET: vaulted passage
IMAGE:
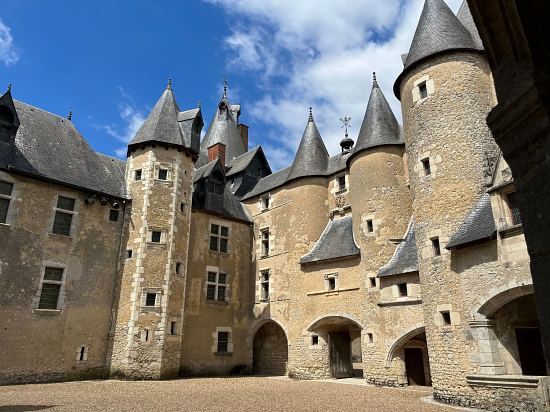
(270, 350)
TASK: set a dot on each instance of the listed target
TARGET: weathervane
(345, 123)
(225, 86)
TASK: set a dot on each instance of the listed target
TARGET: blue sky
(109, 61)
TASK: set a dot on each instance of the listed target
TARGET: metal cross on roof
(345, 123)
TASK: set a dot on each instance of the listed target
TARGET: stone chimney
(217, 151)
(243, 130)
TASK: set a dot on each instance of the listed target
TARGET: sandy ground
(213, 394)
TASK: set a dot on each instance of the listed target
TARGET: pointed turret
(465, 17)
(312, 155)
(379, 125)
(223, 130)
(162, 124)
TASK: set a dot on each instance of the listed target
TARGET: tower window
(178, 268)
(264, 234)
(513, 205)
(264, 285)
(402, 287)
(446, 317)
(314, 340)
(183, 208)
(426, 166)
(5, 199)
(137, 174)
(370, 338)
(370, 226)
(129, 254)
(150, 299)
(436, 247)
(113, 215)
(156, 236)
(423, 90)
(163, 174)
(173, 328)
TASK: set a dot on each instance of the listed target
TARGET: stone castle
(400, 260)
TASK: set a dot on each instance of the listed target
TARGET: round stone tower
(159, 176)
(446, 92)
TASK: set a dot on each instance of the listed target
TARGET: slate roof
(335, 242)
(162, 123)
(240, 163)
(405, 257)
(49, 146)
(204, 171)
(232, 207)
(312, 157)
(223, 129)
(465, 17)
(478, 225)
(438, 30)
(379, 125)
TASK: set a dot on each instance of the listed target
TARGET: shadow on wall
(470, 256)
(24, 408)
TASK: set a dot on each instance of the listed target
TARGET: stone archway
(411, 353)
(270, 350)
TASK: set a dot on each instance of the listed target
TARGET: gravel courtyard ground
(212, 394)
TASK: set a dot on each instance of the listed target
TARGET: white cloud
(320, 53)
(9, 53)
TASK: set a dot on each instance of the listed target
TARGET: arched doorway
(410, 355)
(270, 350)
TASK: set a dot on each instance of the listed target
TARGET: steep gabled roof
(336, 242)
(239, 164)
(161, 125)
(405, 257)
(379, 125)
(478, 225)
(312, 156)
(206, 170)
(438, 30)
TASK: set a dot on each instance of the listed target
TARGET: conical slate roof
(223, 129)
(162, 124)
(312, 155)
(465, 17)
(438, 30)
(379, 125)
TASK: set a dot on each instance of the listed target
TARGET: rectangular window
(6, 190)
(223, 342)
(137, 174)
(331, 283)
(178, 268)
(265, 202)
(264, 235)
(150, 299)
(63, 216)
(173, 328)
(113, 215)
(370, 226)
(314, 340)
(82, 354)
(370, 338)
(183, 208)
(216, 286)
(129, 254)
(264, 285)
(423, 90)
(426, 166)
(402, 289)
(341, 182)
(436, 247)
(51, 286)
(155, 236)
(446, 316)
(163, 174)
(219, 238)
(372, 282)
(513, 205)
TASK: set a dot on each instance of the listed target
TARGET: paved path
(213, 394)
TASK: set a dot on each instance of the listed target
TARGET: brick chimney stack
(243, 130)
(217, 151)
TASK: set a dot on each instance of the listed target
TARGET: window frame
(329, 279)
(138, 172)
(61, 283)
(265, 201)
(402, 290)
(265, 277)
(217, 284)
(426, 166)
(72, 213)
(370, 225)
(158, 299)
(9, 198)
(265, 242)
(423, 89)
(511, 211)
(436, 246)
(339, 187)
(219, 237)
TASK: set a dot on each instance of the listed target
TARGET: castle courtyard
(213, 394)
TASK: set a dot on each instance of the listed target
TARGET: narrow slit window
(146, 335)
(446, 316)
(223, 342)
(137, 174)
(264, 284)
(436, 247)
(265, 202)
(83, 354)
(372, 282)
(426, 166)
(370, 338)
(6, 190)
(423, 90)
(173, 328)
(370, 226)
(183, 208)
(264, 234)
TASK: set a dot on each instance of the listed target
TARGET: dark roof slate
(465, 17)
(240, 163)
(336, 242)
(405, 257)
(206, 170)
(379, 125)
(478, 225)
(312, 157)
(269, 182)
(232, 207)
(49, 146)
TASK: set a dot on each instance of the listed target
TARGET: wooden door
(340, 355)
(414, 362)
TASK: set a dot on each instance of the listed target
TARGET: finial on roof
(345, 123)
(199, 104)
(310, 119)
(70, 115)
(374, 81)
(225, 86)
(169, 85)
(9, 87)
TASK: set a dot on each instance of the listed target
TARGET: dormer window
(6, 118)
(215, 184)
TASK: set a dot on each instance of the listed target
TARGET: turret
(159, 175)
(446, 92)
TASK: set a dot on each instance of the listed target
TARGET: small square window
(372, 282)
(370, 226)
(173, 328)
(223, 342)
(113, 215)
(426, 166)
(183, 208)
(370, 338)
(402, 289)
(150, 299)
(163, 174)
(436, 247)
(446, 316)
(178, 268)
(341, 182)
(423, 90)
(137, 174)
(129, 254)
(314, 340)
(155, 236)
